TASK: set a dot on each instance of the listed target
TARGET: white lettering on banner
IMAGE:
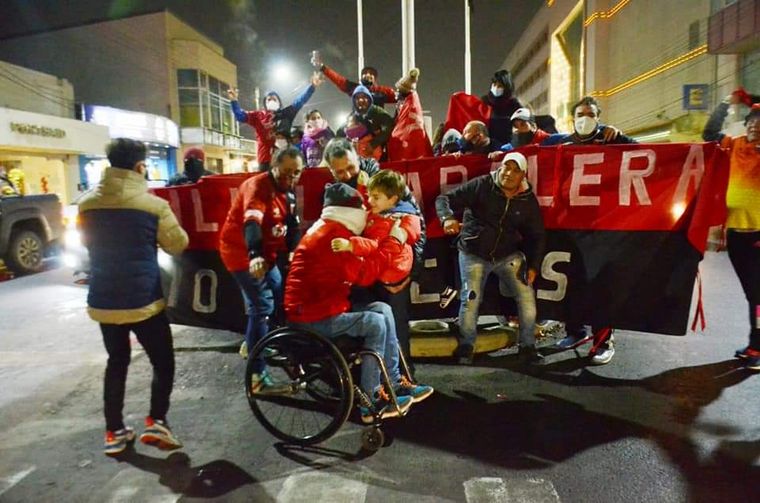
(213, 283)
(548, 273)
(174, 204)
(414, 289)
(635, 178)
(415, 186)
(693, 168)
(533, 179)
(444, 174)
(579, 179)
(200, 225)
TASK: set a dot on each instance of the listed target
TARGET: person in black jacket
(503, 104)
(502, 233)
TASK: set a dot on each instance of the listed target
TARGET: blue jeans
(260, 297)
(474, 272)
(375, 324)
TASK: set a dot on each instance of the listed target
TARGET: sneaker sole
(421, 397)
(159, 442)
(389, 412)
(595, 361)
(578, 343)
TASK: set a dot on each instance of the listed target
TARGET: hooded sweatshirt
(379, 122)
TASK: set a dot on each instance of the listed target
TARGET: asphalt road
(670, 419)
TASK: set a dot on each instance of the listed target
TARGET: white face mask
(281, 143)
(272, 105)
(496, 90)
(584, 126)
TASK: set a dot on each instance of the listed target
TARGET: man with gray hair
(502, 233)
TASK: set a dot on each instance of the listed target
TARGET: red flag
(409, 140)
(464, 108)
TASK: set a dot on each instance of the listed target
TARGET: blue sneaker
(117, 441)
(417, 392)
(263, 384)
(382, 405)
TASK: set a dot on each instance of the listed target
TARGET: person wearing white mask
(587, 129)
(503, 105)
(272, 120)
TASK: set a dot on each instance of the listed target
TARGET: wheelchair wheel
(372, 439)
(310, 394)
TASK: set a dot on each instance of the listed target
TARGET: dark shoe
(529, 355)
(742, 353)
(463, 353)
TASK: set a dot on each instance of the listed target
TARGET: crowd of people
(351, 272)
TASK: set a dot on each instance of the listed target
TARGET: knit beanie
(340, 194)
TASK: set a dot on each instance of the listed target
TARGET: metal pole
(407, 36)
(360, 34)
(404, 39)
(467, 57)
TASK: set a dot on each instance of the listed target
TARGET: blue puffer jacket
(122, 224)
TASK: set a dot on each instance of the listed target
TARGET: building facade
(646, 61)
(152, 63)
(39, 135)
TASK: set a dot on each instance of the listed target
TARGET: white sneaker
(603, 354)
(244, 350)
(501, 352)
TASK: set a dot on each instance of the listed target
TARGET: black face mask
(367, 83)
(521, 139)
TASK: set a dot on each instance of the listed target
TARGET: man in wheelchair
(317, 297)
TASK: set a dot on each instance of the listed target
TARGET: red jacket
(257, 200)
(319, 280)
(347, 86)
(378, 228)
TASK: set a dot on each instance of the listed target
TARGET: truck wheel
(25, 253)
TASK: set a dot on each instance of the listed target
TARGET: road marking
(319, 486)
(134, 484)
(11, 480)
(499, 490)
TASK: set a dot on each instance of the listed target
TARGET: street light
(282, 73)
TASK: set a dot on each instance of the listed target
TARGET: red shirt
(319, 280)
(257, 200)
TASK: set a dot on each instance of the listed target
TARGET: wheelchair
(314, 389)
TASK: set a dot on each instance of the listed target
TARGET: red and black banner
(626, 229)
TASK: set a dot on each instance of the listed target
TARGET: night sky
(258, 33)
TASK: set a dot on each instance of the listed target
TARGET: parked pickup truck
(30, 227)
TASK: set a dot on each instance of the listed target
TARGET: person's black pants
(744, 252)
(155, 336)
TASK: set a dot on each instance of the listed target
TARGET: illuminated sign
(695, 97)
(18, 127)
(134, 125)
